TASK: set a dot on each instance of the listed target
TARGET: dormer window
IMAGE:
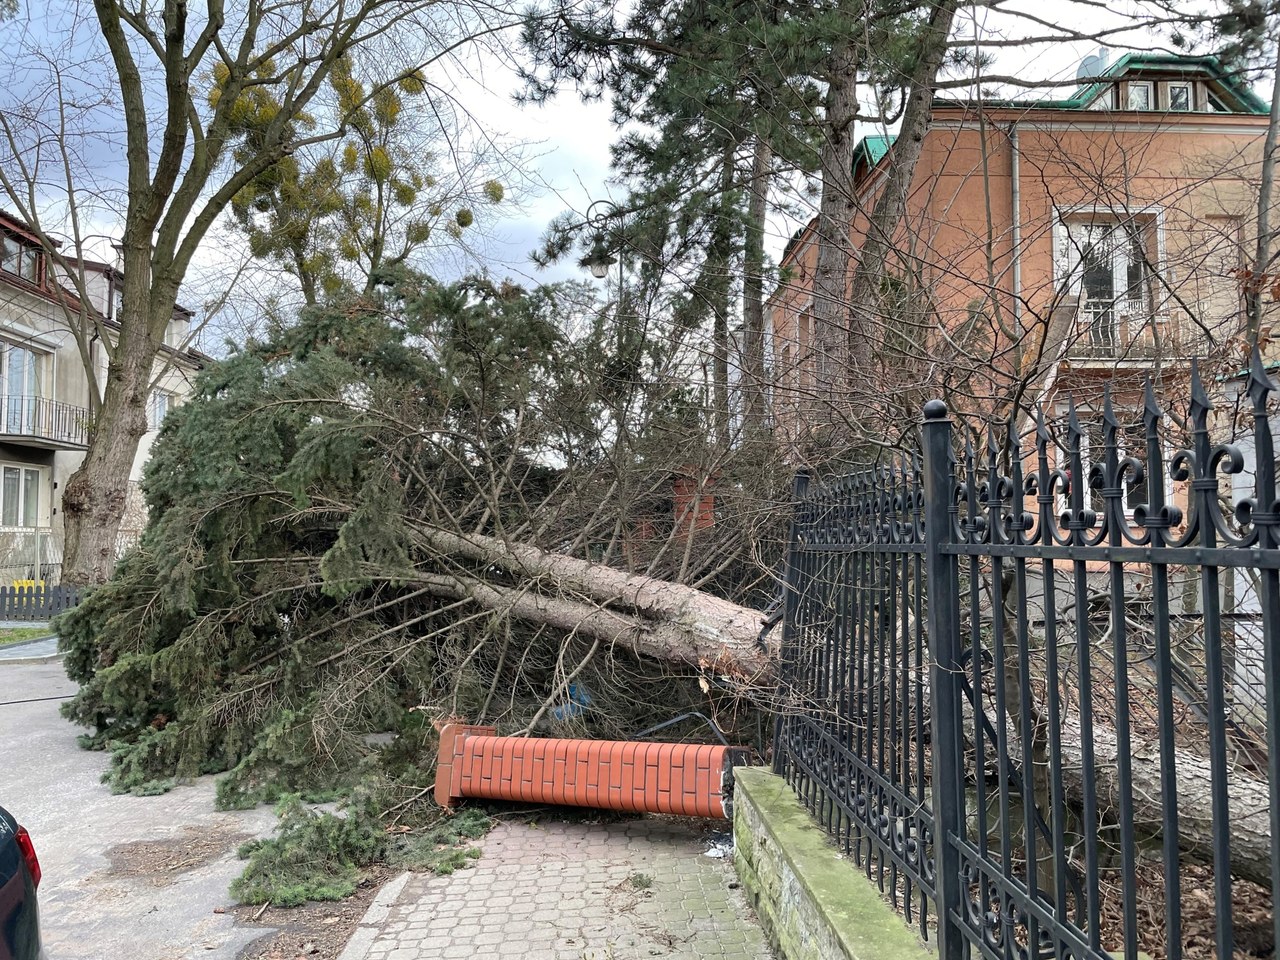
(19, 258)
(1180, 97)
(1141, 95)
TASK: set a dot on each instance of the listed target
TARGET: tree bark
(719, 287)
(835, 219)
(1262, 252)
(755, 409)
(96, 494)
(1248, 798)
(650, 616)
(866, 324)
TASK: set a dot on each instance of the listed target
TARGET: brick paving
(571, 891)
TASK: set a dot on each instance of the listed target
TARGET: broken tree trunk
(1248, 798)
(653, 617)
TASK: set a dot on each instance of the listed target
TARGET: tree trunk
(754, 400)
(720, 287)
(96, 494)
(1248, 798)
(653, 617)
(1262, 254)
(866, 323)
(835, 218)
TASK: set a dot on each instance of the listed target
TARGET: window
(1140, 95)
(1103, 261)
(177, 332)
(24, 377)
(28, 264)
(19, 258)
(1180, 97)
(20, 495)
(1107, 101)
(805, 338)
(9, 249)
(161, 404)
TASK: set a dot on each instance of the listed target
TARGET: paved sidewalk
(570, 891)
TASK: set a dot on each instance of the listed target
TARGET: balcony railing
(50, 421)
(1113, 330)
(29, 556)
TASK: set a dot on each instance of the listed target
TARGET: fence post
(789, 598)
(945, 672)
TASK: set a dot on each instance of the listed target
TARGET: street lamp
(599, 258)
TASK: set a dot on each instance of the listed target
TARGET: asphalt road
(124, 877)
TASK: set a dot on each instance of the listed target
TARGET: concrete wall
(813, 904)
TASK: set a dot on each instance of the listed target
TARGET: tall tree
(718, 89)
(922, 74)
(209, 101)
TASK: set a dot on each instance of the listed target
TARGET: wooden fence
(36, 602)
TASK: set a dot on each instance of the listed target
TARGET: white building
(45, 396)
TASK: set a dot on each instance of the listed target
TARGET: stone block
(812, 903)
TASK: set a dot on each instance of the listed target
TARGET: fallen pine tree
(353, 530)
(400, 511)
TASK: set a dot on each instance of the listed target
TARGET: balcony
(41, 422)
(1106, 332)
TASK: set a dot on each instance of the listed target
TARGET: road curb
(5, 656)
(48, 658)
(357, 947)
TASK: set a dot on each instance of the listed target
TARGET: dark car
(19, 877)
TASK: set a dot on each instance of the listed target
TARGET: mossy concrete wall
(813, 904)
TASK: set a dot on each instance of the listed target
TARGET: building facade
(47, 397)
(1048, 247)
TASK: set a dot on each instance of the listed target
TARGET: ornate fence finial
(1013, 438)
(1201, 405)
(1260, 383)
(1151, 412)
(1075, 433)
(1108, 409)
(1043, 436)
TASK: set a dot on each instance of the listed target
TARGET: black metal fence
(1047, 727)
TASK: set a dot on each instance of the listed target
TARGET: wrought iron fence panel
(854, 725)
(1053, 710)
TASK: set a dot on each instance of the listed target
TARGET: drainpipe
(1015, 176)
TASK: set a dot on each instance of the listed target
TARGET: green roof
(1239, 97)
(872, 150)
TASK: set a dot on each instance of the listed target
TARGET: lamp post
(599, 259)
